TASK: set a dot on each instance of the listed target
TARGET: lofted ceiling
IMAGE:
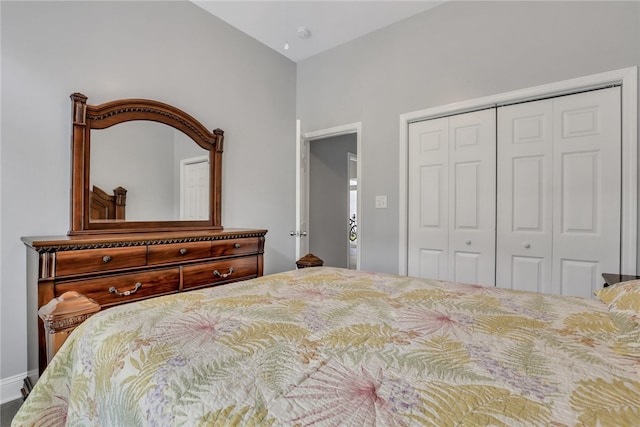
(330, 23)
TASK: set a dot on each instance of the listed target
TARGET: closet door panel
(587, 153)
(524, 196)
(431, 264)
(472, 197)
(579, 180)
(579, 277)
(428, 238)
(528, 273)
(528, 193)
(466, 267)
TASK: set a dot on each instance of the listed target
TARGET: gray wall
(329, 198)
(172, 52)
(455, 52)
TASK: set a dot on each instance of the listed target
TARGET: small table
(612, 278)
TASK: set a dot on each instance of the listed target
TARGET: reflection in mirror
(165, 174)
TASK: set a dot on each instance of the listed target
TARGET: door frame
(626, 77)
(302, 194)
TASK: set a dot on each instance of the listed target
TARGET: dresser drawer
(121, 288)
(216, 272)
(96, 260)
(245, 246)
(177, 252)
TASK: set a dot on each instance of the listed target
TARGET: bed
(332, 347)
(105, 206)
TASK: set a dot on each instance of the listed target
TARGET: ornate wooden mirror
(162, 165)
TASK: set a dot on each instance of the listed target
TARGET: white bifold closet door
(559, 193)
(452, 198)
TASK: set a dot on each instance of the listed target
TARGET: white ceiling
(331, 23)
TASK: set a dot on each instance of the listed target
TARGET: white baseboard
(10, 387)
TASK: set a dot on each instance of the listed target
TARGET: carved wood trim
(106, 115)
(47, 249)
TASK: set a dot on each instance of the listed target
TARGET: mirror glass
(165, 174)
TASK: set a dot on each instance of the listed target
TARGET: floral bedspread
(332, 347)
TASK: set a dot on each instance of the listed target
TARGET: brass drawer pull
(236, 245)
(106, 258)
(113, 290)
(224, 276)
(183, 251)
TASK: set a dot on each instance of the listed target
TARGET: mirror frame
(87, 117)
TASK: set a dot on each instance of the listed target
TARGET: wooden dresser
(112, 256)
(114, 269)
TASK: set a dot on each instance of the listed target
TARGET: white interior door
(428, 239)
(452, 198)
(472, 197)
(525, 196)
(559, 193)
(587, 200)
(302, 194)
(194, 194)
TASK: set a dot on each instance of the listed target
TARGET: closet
(524, 196)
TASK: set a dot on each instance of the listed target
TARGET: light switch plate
(381, 202)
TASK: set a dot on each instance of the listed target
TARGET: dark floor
(7, 411)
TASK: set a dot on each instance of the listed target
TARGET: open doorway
(328, 221)
(330, 211)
